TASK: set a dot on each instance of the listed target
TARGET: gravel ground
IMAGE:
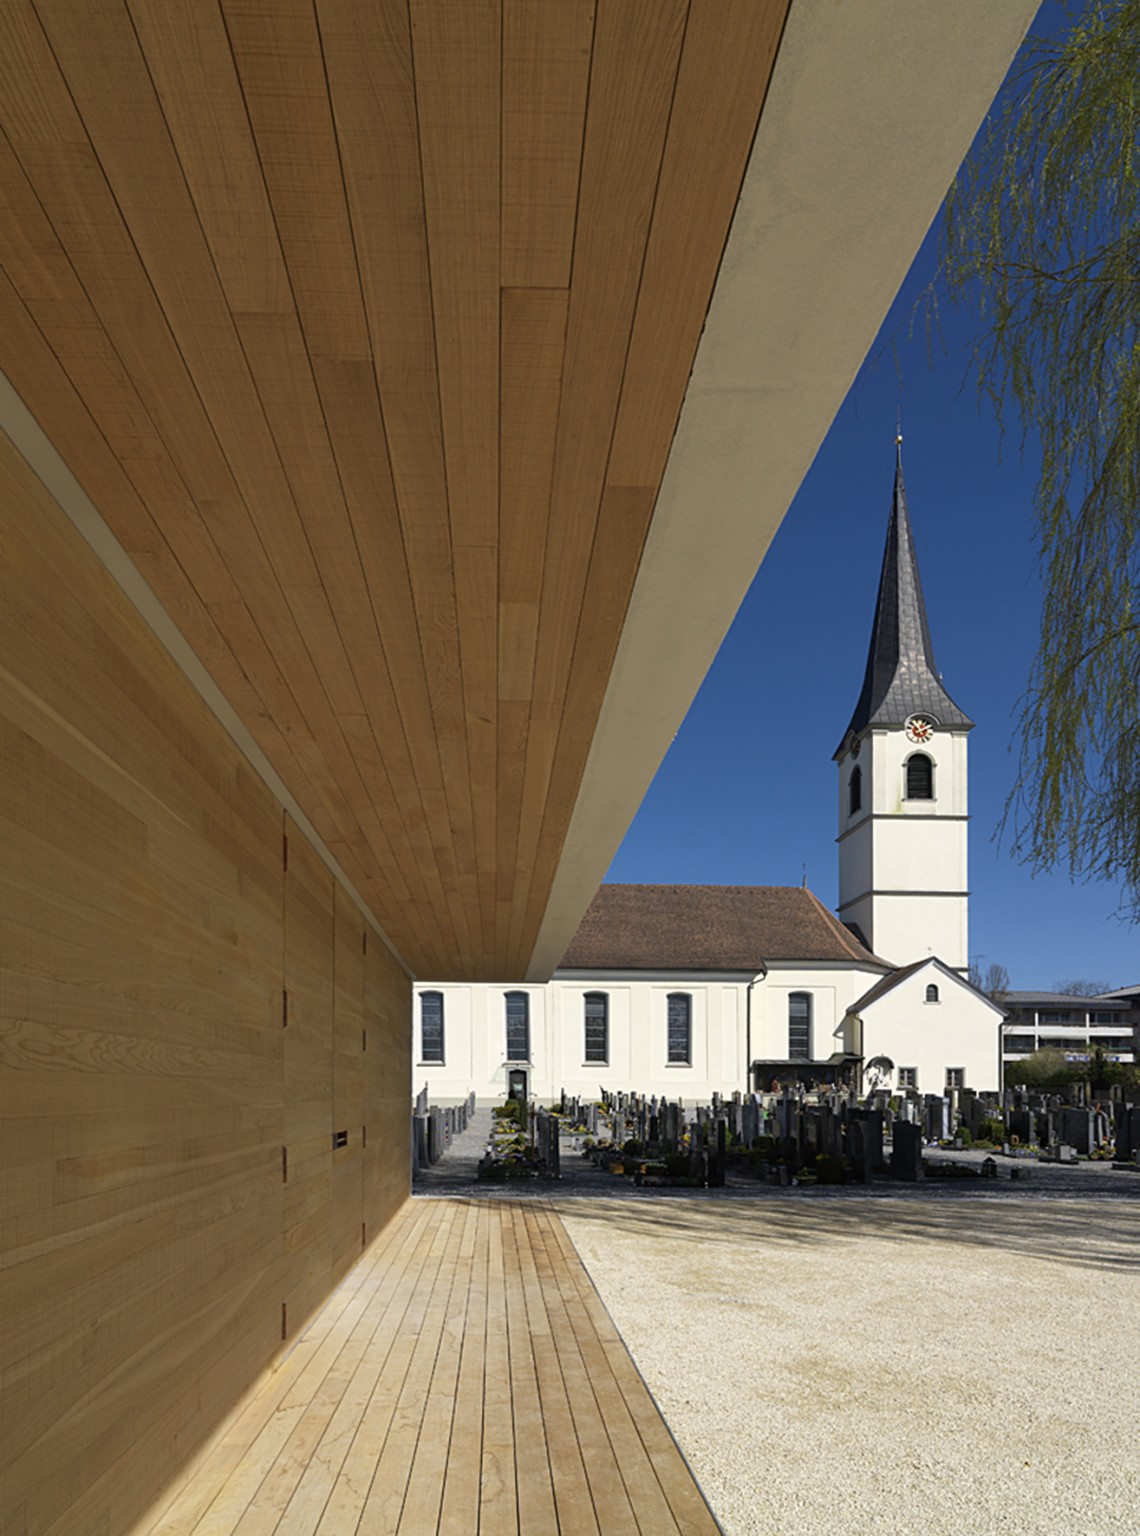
(950, 1367)
(951, 1358)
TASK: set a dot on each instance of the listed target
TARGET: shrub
(828, 1169)
(632, 1148)
(676, 1164)
(964, 1136)
(765, 1146)
(511, 1110)
(992, 1130)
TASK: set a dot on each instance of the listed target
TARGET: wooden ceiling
(366, 327)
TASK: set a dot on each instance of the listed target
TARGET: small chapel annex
(687, 990)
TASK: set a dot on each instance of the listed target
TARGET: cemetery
(796, 1138)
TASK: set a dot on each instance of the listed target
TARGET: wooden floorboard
(463, 1380)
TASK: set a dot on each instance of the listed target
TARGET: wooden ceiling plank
(108, 79)
(277, 50)
(369, 59)
(533, 343)
(636, 56)
(727, 59)
(458, 112)
(546, 72)
(217, 633)
(103, 82)
(188, 55)
(279, 56)
(730, 48)
(349, 391)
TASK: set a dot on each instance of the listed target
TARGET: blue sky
(728, 806)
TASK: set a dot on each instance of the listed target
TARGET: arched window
(518, 1026)
(932, 993)
(431, 1026)
(679, 1011)
(855, 791)
(799, 1026)
(597, 1018)
(919, 777)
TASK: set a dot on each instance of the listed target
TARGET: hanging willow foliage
(1042, 238)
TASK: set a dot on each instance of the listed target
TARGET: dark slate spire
(901, 678)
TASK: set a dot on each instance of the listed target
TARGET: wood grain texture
(546, 76)
(149, 1087)
(464, 1377)
(366, 328)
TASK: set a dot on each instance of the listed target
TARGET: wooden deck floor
(463, 1378)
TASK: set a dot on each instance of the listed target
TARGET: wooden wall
(189, 1009)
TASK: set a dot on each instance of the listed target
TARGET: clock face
(919, 729)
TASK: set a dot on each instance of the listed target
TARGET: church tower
(902, 779)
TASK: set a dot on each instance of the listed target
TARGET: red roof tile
(707, 928)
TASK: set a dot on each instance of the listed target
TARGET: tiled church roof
(901, 679)
(707, 928)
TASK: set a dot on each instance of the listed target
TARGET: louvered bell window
(919, 777)
(597, 1027)
(680, 1016)
(518, 1026)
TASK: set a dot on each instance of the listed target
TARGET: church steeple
(903, 779)
(901, 679)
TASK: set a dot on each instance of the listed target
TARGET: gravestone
(419, 1135)
(1127, 1133)
(1077, 1129)
(1020, 1125)
(906, 1152)
(716, 1157)
(865, 1142)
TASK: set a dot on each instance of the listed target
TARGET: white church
(687, 990)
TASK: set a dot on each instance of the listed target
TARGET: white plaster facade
(930, 1023)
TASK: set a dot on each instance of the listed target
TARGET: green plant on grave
(632, 1147)
(676, 1164)
(992, 1130)
(765, 1146)
(828, 1168)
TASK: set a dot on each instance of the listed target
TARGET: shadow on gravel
(1086, 1234)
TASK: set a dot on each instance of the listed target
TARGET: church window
(597, 1010)
(932, 993)
(919, 777)
(679, 1006)
(518, 1026)
(855, 791)
(431, 1026)
(955, 1077)
(908, 1077)
(799, 1026)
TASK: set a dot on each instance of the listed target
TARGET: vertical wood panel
(148, 1237)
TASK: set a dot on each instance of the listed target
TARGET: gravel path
(952, 1358)
(945, 1367)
